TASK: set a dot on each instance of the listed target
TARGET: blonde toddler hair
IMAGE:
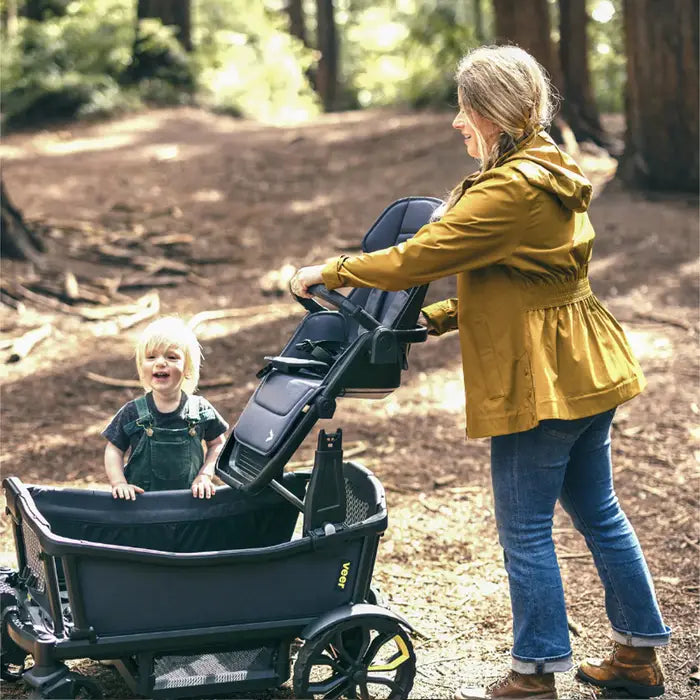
(507, 86)
(167, 332)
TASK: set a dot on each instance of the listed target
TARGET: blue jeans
(567, 460)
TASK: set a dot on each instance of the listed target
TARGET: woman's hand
(304, 278)
(126, 491)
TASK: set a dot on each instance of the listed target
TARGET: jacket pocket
(490, 372)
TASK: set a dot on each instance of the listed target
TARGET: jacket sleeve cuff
(441, 317)
(331, 273)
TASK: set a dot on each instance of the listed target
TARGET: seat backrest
(277, 417)
(396, 224)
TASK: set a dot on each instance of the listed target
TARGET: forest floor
(208, 206)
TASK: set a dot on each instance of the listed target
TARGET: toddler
(163, 430)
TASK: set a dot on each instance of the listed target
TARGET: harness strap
(193, 409)
(142, 408)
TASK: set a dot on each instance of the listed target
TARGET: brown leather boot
(514, 685)
(637, 670)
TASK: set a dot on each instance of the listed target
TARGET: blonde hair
(507, 86)
(164, 333)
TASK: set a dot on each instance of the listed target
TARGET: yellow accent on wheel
(397, 660)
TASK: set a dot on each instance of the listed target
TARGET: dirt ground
(243, 200)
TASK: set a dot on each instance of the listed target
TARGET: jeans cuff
(560, 665)
(631, 639)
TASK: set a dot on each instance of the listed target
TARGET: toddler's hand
(203, 487)
(126, 491)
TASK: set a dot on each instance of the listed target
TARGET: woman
(545, 366)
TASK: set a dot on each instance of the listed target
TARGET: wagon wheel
(12, 656)
(12, 670)
(366, 658)
(12, 659)
(72, 685)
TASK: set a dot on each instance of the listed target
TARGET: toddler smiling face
(163, 368)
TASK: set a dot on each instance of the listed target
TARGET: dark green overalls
(165, 458)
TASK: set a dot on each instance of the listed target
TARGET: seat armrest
(419, 334)
(294, 364)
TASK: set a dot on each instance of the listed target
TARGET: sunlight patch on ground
(301, 206)
(648, 345)
(161, 152)
(53, 147)
(43, 442)
(11, 152)
(141, 123)
(440, 390)
(208, 196)
(600, 265)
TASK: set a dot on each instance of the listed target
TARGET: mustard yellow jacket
(535, 341)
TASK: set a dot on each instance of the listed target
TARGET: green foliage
(248, 64)
(606, 60)
(67, 66)
(160, 65)
(90, 61)
(405, 52)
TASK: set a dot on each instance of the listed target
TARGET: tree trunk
(479, 33)
(297, 21)
(175, 13)
(8, 18)
(41, 9)
(18, 241)
(579, 107)
(661, 143)
(527, 24)
(327, 73)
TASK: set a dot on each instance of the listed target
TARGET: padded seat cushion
(272, 410)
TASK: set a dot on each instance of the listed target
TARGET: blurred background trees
(284, 61)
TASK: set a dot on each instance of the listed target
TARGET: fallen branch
(17, 291)
(127, 383)
(151, 306)
(575, 628)
(69, 292)
(148, 281)
(153, 265)
(692, 543)
(10, 301)
(172, 239)
(23, 345)
(657, 318)
(112, 381)
(220, 314)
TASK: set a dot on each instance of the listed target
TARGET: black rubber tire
(12, 657)
(358, 654)
(73, 685)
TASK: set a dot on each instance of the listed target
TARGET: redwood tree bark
(297, 21)
(175, 13)
(18, 241)
(527, 24)
(327, 41)
(579, 107)
(661, 142)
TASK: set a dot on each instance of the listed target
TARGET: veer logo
(270, 437)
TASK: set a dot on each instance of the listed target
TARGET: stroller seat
(356, 348)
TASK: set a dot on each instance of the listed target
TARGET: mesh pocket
(32, 549)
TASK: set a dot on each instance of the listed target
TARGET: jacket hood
(545, 166)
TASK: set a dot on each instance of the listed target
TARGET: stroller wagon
(192, 598)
